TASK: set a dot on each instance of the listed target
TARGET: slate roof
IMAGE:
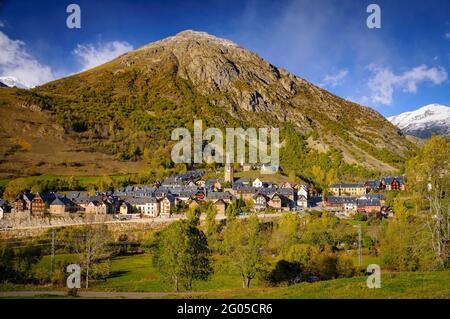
(28, 196)
(373, 196)
(142, 200)
(340, 200)
(219, 195)
(368, 202)
(258, 194)
(347, 185)
(373, 184)
(61, 201)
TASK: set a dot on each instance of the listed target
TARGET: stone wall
(134, 230)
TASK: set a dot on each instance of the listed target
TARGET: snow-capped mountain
(13, 82)
(429, 119)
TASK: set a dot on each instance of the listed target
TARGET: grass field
(136, 274)
(393, 285)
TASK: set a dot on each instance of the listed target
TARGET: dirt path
(98, 294)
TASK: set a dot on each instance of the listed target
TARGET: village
(180, 192)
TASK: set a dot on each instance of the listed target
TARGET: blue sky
(400, 67)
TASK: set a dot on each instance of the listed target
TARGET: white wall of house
(165, 206)
(149, 209)
(257, 183)
(302, 202)
(302, 192)
(350, 207)
(123, 209)
(260, 203)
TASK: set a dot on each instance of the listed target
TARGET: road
(97, 294)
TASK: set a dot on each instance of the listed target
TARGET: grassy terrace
(136, 274)
(393, 285)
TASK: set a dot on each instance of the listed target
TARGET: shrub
(345, 267)
(359, 217)
(284, 271)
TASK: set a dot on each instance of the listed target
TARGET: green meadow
(135, 273)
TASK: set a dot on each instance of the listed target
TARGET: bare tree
(429, 174)
(91, 243)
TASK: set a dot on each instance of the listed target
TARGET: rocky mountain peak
(214, 65)
(423, 122)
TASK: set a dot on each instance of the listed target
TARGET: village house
(62, 205)
(287, 193)
(41, 202)
(286, 185)
(82, 201)
(96, 207)
(125, 209)
(372, 186)
(245, 192)
(171, 182)
(260, 201)
(23, 202)
(257, 183)
(147, 206)
(227, 197)
(393, 183)
(369, 206)
(166, 204)
(275, 202)
(379, 197)
(303, 190)
(349, 205)
(184, 196)
(213, 185)
(302, 202)
(4, 208)
(334, 203)
(200, 183)
(348, 189)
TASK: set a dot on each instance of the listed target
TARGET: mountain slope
(423, 122)
(32, 142)
(129, 106)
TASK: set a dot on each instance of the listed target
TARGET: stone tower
(229, 173)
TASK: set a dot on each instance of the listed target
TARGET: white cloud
(93, 55)
(335, 79)
(447, 35)
(384, 82)
(16, 62)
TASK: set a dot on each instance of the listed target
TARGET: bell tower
(229, 173)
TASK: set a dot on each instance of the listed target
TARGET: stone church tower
(229, 173)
